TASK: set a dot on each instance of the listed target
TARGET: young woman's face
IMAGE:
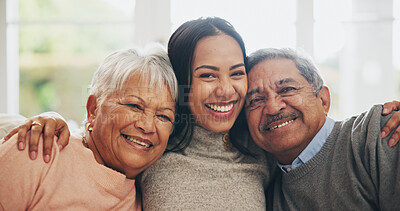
(218, 83)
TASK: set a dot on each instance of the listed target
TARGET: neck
(290, 155)
(92, 146)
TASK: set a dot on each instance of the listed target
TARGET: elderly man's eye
(254, 101)
(287, 89)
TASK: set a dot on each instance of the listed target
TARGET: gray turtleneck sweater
(207, 177)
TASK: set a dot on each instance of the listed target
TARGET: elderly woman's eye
(164, 118)
(134, 106)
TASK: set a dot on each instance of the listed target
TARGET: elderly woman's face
(131, 127)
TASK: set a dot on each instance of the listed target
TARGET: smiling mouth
(219, 108)
(280, 125)
(133, 140)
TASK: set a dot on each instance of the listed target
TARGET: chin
(219, 127)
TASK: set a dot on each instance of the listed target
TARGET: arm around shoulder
(383, 160)
(20, 177)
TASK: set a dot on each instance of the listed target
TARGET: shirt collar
(312, 148)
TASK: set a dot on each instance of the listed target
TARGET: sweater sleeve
(20, 177)
(381, 161)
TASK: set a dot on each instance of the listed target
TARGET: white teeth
(136, 141)
(281, 125)
(220, 108)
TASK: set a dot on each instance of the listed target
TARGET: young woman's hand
(49, 124)
(393, 122)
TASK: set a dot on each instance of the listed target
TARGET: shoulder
(8, 122)
(18, 161)
(20, 176)
(363, 133)
(366, 123)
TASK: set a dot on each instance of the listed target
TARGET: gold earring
(88, 127)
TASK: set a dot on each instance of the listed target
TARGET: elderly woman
(130, 113)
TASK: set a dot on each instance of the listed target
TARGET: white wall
(9, 70)
(367, 74)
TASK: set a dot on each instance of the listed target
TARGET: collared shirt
(312, 148)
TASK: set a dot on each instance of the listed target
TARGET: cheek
(252, 120)
(199, 92)
(113, 115)
(241, 87)
(295, 101)
(163, 134)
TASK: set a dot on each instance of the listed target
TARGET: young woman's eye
(238, 73)
(164, 118)
(207, 75)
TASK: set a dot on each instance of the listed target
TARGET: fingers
(11, 133)
(63, 138)
(36, 131)
(22, 130)
(48, 137)
(390, 106)
(50, 124)
(393, 122)
(394, 138)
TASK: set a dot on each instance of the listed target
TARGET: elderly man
(325, 164)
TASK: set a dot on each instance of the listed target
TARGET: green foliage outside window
(61, 43)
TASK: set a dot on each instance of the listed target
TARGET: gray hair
(151, 63)
(303, 62)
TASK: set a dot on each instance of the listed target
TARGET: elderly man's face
(282, 111)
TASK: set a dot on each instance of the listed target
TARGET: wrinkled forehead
(142, 86)
(274, 72)
(258, 77)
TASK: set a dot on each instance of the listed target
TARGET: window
(61, 43)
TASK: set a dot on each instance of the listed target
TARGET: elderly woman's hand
(393, 122)
(49, 124)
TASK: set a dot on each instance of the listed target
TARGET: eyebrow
(137, 98)
(285, 81)
(168, 108)
(277, 84)
(236, 66)
(216, 68)
(254, 91)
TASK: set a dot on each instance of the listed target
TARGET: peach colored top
(72, 180)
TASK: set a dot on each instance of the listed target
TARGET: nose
(146, 123)
(274, 105)
(225, 88)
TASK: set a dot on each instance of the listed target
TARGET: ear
(91, 108)
(325, 97)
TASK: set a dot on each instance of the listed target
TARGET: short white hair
(151, 63)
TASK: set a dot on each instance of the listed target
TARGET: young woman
(202, 170)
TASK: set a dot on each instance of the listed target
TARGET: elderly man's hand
(49, 124)
(393, 122)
